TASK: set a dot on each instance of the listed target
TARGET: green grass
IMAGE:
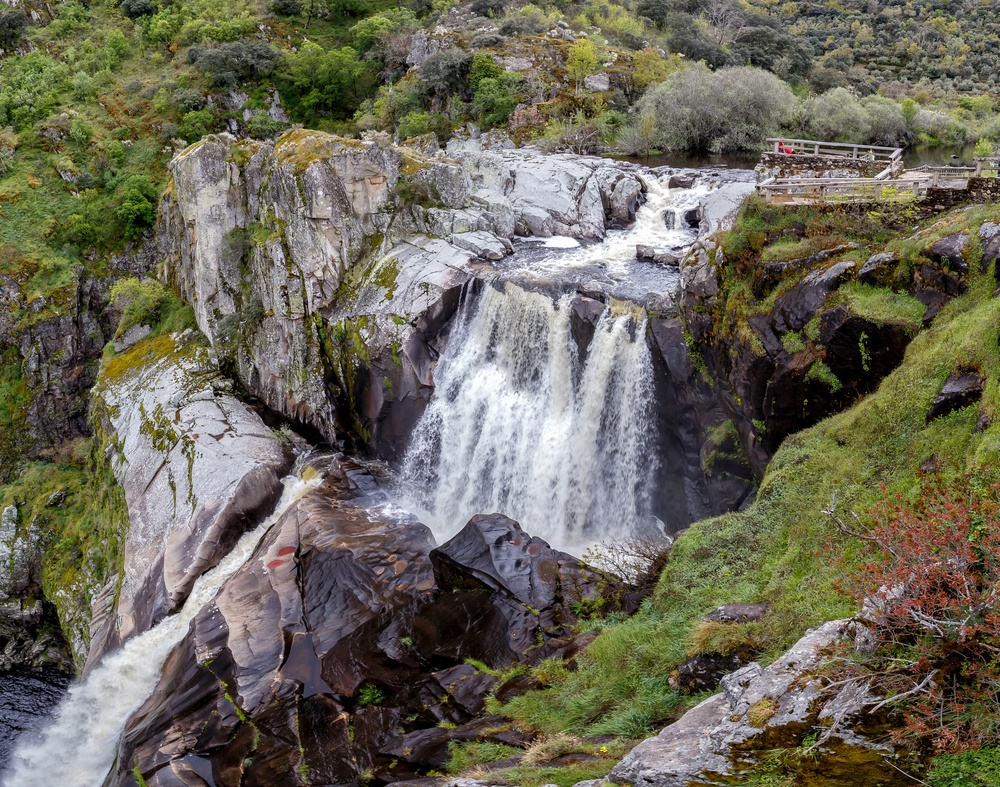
(775, 550)
(472, 753)
(880, 305)
(970, 769)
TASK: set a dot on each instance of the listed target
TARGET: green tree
(493, 102)
(324, 82)
(581, 61)
(836, 116)
(137, 210)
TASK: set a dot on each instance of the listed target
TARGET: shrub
(484, 66)
(262, 126)
(318, 81)
(730, 109)
(445, 72)
(195, 125)
(187, 99)
(137, 210)
(285, 7)
(836, 115)
(581, 60)
(489, 8)
(133, 9)
(232, 63)
(486, 40)
(12, 24)
(929, 583)
(493, 102)
(140, 302)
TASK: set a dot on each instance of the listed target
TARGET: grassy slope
(775, 550)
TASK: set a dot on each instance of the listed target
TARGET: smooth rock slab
(198, 469)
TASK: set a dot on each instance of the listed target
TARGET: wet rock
(877, 268)
(482, 244)
(948, 251)
(704, 671)
(961, 389)
(757, 709)
(518, 685)
(344, 642)
(198, 469)
(684, 180)
(737, 613)
(659, 256)
(625, 199)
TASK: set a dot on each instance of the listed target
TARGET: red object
(783, 148)
(275, 564)
(285, 551)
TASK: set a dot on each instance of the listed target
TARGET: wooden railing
(811, 190)
(812, 147)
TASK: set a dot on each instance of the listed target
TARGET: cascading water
(660, 222)
(78, 748)
(519, 425)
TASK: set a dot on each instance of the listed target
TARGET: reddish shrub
(929, 584)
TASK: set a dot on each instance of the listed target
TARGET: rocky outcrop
(29, 627)
(51, 349)
(811, 352)
(323, 270)
(760, 709)
(342, 644)
(198, 469)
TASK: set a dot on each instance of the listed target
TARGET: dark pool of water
(912, 158)
(27, 697)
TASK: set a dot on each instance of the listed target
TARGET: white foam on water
(518, 425)
(77, 748)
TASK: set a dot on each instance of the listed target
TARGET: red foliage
(930, 592)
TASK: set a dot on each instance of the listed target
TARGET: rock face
(342, 643)
(29, 627)
(811, 352)
(55, 345)
(760, 709)
(324, 270)
(197, 467)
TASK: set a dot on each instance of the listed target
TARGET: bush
(262, 126)
(195, 125)
(140, 302)
(187, 99)
(323, 82)
(490, 8)
(445, 72)
(230, 64)
(12, 24)
(486, 40)
(137, 210)
(836, 116)
(133, 9)
(493, 102)
(929, 584)
(730, 109)
(285, 7)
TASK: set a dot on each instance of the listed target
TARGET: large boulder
(342, 646)
(198, 469)
(760, 709)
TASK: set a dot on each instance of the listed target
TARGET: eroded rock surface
(760, 709)
(313, 261)
(198, 469)
(341, 646)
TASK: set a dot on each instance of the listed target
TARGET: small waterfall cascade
(664, 220)
(519, 425)
(77, 749)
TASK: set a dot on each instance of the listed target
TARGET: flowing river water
(525, 420)
(77, 748)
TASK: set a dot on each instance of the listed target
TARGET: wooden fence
(778, 191)
(812, 147)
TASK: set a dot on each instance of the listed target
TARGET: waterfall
(519, 425)
(78, 747)
(659, 222)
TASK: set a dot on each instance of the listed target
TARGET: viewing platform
(807, 171)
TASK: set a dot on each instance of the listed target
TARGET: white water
(78, 747)
(617, 250)
(518, 425)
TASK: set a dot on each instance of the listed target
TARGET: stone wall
(785, 165)
(984, 189)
